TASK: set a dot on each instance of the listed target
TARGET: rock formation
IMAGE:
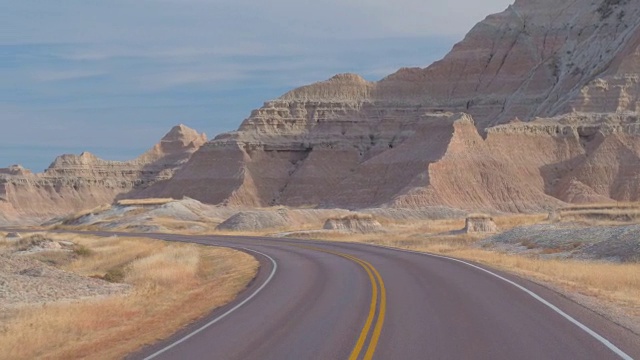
(438, 159)
(77, 182)
(478, 223)
(278, 219)
(535, 107)
(539, 58)
(354, 223)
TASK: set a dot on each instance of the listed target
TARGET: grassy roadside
(602, 286)
(610, 287)
(171, 285)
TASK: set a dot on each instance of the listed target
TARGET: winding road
(325, 300)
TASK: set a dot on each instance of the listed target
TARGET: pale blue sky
(112, 76)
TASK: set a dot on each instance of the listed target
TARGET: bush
(115, 275)
(31, 241)
(607, 8)
(82, 250)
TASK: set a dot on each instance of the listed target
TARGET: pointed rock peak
(406, 74)
(184, 134)
(15, 170)
(463, 118)
(85, 158)
(16, 167)
(341, 87)
(348, 77)
(87, 155)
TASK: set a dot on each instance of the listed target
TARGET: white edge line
(203, 327)
(583, 327)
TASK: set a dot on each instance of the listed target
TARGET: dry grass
(602, 206)
(613, 285)
(478, 216)
(148, 201)
(507, 222)
(172, 285)
(353, 217)
(184, 227)
(617, 284)
(602, 217)
(601, 214)
(95, 210)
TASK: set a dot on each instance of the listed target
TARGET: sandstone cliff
(77, 182)
(538, 58)
(536, 106)
(439, 159)
(572, 66)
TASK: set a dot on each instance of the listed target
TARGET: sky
(113, 76)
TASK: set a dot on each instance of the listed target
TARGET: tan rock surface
(480, 224)
(354, 223)
(536, 106)
(537, 58)
(439, 159)
(350, 143)
(77, 182)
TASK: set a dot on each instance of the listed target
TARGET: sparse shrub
(82, 250)
(621, 15)
(356, 217)
(54, 258)
(554, 67)
(31, 241)
(115, 275)
(574, 245)
(551, 251)
(607, 8)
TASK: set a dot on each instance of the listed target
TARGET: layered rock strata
(354, 223)
(538, 58)
(437, 159)
(77, 182)
(479, 224)
(535, 107)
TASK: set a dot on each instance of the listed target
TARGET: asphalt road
(319, 300)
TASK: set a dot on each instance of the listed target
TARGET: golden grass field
(172, 285)
(615, 285)
(618, 284)
(153, 271)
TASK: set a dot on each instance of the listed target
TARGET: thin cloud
(168, 52)
(209, 62)
(53, 76)
(164, 81)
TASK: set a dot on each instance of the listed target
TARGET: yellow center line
(372, 309)
(373, 276)
(383, 309)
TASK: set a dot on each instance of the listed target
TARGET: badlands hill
(535, 107)
(77, 182)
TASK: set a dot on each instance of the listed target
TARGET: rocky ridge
(538, 58)
(535, 107)
(77, 182)
(439, 159)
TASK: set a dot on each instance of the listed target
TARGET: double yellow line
(377, 286)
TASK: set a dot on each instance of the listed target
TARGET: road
(321, 300)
